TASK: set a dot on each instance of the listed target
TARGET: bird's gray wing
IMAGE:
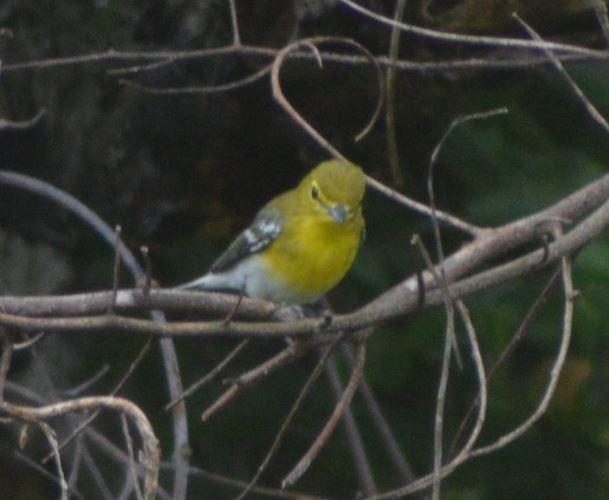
(260, 234)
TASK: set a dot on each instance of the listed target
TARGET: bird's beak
(339, 213)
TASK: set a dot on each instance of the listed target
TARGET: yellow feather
(314, 253)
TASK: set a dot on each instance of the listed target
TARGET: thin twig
(128, 488)
(22, 125)
(443, 287)
(504, 440)
(238, 385)
(356, 444)
(216, 478)
(88, 420)
(75, 465)
(144, 250)
(98, 477)
(380, 423)
(116, 269)
(26, 344)
(465, 452)
(450, 344)
(303, 464)
(208, 377)
(579, 94)
(233, 312)
(280, 98)
(132, 466)
(83, 386)
(491, 41)
(140, 68)
(32, 464)
(392, 143)
(52, 439)
(200, 89)
(306, 388)
(446, 218)
(449, 337)
(509, 349)
(482, 384)
(600, 9)
(234, 23)
(162, 58)
(113, 452)
(150, 455)
(116, 454)
(567, 327)
(443, 281)
(5, 360)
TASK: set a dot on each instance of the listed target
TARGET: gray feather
(261, 233)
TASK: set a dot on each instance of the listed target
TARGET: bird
(300, 244)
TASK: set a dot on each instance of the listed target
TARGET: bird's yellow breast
(315, 255)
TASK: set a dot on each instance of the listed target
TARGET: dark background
(183, 173)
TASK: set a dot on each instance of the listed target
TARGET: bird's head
(335, 188)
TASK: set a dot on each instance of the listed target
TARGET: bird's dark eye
(314, 192)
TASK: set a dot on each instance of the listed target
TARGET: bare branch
(356, 444)
(161, 59)
(306, 388)
(75, 206)
(22, 125)
(303, 464)
(297, 117)
(247, 379)
(235, 483)
(399, 300)
(440, 401)
(467, 453)
(29, 342)
(77, 430)
(509, 349)
(150, 452)
(75, 465)
(208, 377)
(235, 23)
(98, 477)
(172, 370)
(132, 466)
(443, 36)
(307, 127)
(144, 250)
(117, 268)
(392, 144)
(200, 89)
(52, 439)
(83, 386)
(5, 360)
(382, 426)
(600, 9)
(590, 108)
(570, 296)
(32, 464)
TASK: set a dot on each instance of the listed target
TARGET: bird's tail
(210, 281)
(201, 283)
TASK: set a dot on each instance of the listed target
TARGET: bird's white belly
(251, 277)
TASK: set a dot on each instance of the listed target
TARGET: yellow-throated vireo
(300, 244)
